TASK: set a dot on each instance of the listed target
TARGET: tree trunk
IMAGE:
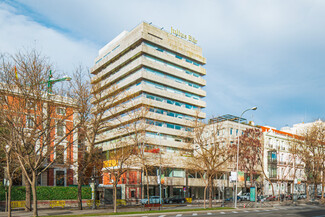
(35, 210)
(307, 191)
(323, 184)
(315, 190)
(79, 192)
(210, 191)
(114, 196)
(147, 177)
(28, 201)
(9, 198)
(205, 195)
(279, 192)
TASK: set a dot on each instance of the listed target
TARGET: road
(272, 212)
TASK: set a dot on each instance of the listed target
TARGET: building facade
(153, 69)
(285, 170)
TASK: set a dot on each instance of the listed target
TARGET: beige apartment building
(162, 72)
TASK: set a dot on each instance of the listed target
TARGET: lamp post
(254, 108)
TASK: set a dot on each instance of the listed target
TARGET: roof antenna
(150, 23)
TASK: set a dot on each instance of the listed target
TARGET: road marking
(179, 214)
(246, 211)
(267, 210)
(256, 210)
(222, 213)
(234, 212)
(209, 213)
(162, 215)
(194, 213)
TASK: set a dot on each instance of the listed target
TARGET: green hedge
(48, 193)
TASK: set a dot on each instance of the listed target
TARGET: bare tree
(250, 153)
(11, 165)
(311, 151)
(89, 124)
(30, 112)
(210, 152)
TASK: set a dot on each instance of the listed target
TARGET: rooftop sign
(178, 33)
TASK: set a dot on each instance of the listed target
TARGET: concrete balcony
(173, 60)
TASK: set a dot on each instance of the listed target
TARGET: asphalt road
(305, 211)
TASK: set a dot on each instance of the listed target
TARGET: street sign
(184, 188)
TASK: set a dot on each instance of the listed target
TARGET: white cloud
(20, 32)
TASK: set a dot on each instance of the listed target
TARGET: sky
(264, 53)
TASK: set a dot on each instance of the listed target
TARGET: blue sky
(269, 54)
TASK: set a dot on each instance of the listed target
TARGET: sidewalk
(65, 211)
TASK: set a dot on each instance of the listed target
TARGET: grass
(146, 212)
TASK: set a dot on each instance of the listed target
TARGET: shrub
(47, 193)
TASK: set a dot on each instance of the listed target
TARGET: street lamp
(254, 108)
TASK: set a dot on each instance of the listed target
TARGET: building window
(59, 178)
(60, 111)
(230, 131)
(59, 151)
(30, 122)
(132, 193)
(31, 105)
(60, 129)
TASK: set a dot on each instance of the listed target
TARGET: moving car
(175, 199)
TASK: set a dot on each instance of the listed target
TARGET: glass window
(179, 57)
(177, 127)
(59, 178)
(171, 114)
(159, 99)
(59, 154)
(159, 124)
(60, 111)
(178, 104)
(150, 97)
(230, 131)
(159, 111)
(170, 126)
(170, 101)
(30, 122)
(60, 129)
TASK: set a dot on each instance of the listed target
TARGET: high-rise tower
(160, 70)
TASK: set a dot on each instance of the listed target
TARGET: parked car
(245, 196)
(175, 199)
(231, 199)
(289, 196)
(153, 200)
(271, 198)
(261, 198)
(302, 196)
